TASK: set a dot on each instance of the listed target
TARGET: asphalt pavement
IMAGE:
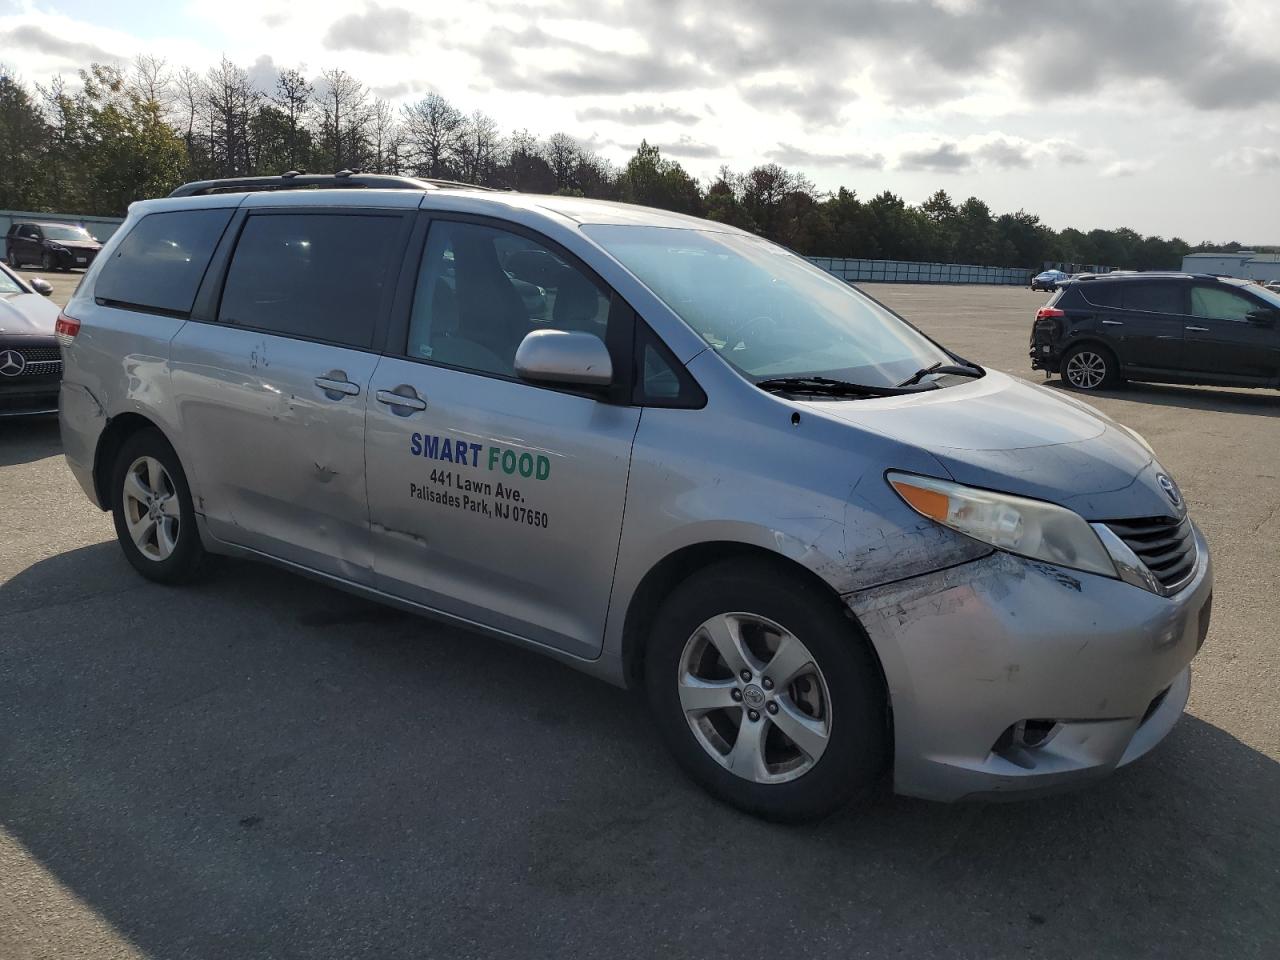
(261, 766)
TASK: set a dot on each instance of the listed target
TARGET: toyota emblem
(1170, 488)
(12, 363)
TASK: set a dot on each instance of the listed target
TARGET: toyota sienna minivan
(657, 448)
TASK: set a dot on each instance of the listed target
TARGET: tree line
(125, 134)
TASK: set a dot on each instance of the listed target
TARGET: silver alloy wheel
(151, 508)
(1086, 370)
(754, 698)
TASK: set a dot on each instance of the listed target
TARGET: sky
(1160, 115)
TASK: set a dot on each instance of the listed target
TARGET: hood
(1005, 434)
(27, 315)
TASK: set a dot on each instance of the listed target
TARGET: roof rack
(294, 180)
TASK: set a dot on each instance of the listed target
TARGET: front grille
(40, 362)
(1167, 547)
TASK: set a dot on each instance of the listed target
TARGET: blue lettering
(415, 444)
(475, 454)
(446, 450)
(431, 446)
(460, 452)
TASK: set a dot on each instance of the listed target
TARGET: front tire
(1090, 367)
(13, 260)
(766, 693)
(46, 262)
(153, 512)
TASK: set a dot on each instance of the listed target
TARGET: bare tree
(342, 101)
(386, 139)
(151, 81)
(479, 146)
(293, 95)
(433, 132)
(564, 155)
(232, 102)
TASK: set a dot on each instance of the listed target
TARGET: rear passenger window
(1103, 294)
(313, 276)
(159, 265)
(1154, 297)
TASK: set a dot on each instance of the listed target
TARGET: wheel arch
(679, 565)
(118, 430)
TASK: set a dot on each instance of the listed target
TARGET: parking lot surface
(260, 766)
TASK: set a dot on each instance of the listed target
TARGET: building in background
(1245, 265)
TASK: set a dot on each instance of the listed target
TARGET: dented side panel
(279, 461)
(752, 468)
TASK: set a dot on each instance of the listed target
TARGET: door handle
(1198, 329)
(1113, 323)
(336, 385)
(402, 400)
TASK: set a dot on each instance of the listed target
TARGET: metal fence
(99, 227)
(906, 271)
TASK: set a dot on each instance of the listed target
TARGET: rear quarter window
(159, 265)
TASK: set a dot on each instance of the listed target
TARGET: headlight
(1029, 528)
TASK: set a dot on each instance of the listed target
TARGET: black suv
(55, 246)
(1099, 330)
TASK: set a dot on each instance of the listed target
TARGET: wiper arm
(831, 387)
(972, 370)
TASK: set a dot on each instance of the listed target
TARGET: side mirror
(42, 286)
(565, 358)
(1264, 318)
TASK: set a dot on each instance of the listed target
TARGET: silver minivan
(660, 449)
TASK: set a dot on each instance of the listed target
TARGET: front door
(1222, 340)
(492, 499)
(272, 396)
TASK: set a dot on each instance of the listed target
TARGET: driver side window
(481, 290)
(1217, 304)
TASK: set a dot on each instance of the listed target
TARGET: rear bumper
(973, 652)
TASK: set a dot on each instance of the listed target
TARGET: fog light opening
(1019, 740)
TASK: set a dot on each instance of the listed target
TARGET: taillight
(1045, 313)
(65, 329)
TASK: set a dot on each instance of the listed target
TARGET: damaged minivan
(660, 449)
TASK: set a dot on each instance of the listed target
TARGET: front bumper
(972, 653)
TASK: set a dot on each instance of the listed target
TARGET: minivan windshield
(768, 312)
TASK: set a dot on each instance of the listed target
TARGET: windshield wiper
(831, 387)
(969, 370)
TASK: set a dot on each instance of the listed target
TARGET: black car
(1098, 331)
(30, 360)
(55, 246)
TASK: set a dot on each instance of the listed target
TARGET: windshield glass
(767, 311)
(8, 285)
(59, 231)
(1270, 296)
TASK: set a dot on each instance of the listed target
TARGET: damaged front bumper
(1010, 675)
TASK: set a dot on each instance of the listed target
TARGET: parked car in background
(30, 363)
(54, 246)
(1048, 280)
(1273, 286)
(1099, 331)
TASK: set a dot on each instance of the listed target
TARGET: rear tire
(154, 516)
(820, 733)
(1090, 367)
(13, 260)
(46, 262)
